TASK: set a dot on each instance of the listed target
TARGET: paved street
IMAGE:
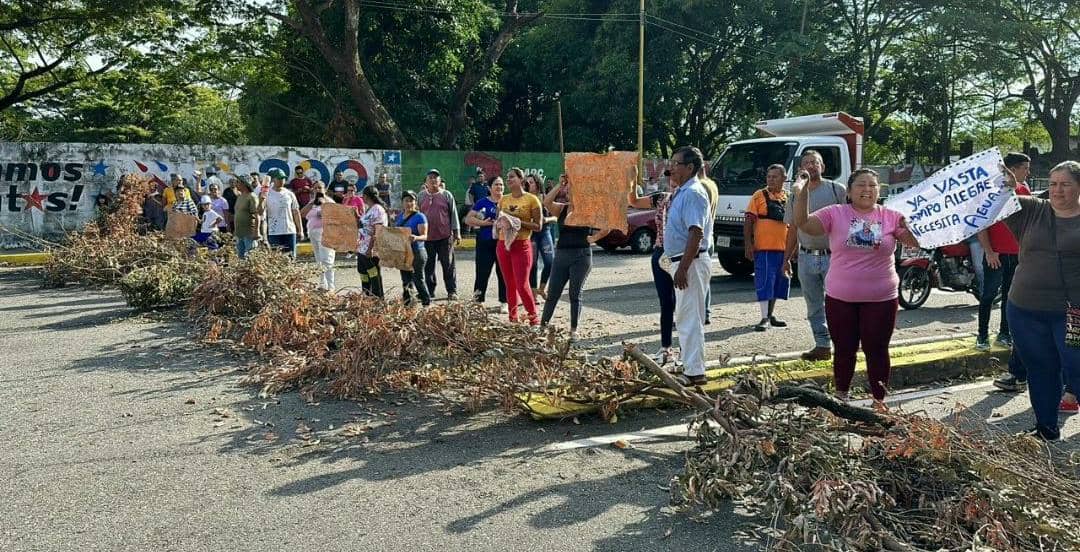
(121, 433)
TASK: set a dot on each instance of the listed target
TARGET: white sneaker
(574, 336)
(504, 308)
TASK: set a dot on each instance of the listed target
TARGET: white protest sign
(957, 201)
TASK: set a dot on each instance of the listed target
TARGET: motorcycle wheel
(914, 287)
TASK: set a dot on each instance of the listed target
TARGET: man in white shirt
(282, 215)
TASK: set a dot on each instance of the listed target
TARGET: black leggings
(573, 266)
(370, 275)
(665, 290)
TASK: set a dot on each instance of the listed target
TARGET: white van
(740, 170)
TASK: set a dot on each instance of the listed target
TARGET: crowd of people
(841, 239)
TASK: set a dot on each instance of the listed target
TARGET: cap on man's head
(175, 176)
(479, 170)
(205, 200)
(433, 172)
(276, 173)
(408, 194)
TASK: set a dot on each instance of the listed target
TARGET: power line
(678, 29)
(397, 6)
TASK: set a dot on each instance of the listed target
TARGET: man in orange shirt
(765, 235)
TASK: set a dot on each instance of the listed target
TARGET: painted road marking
(681, 431)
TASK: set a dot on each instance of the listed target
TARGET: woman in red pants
(861, 286)
(516, 260)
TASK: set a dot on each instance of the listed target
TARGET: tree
(1043, 39)
(49, 45)
(340, 32)
(137, 107)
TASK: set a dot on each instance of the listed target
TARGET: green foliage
(129, 107)
(164, 285)
(924, 75)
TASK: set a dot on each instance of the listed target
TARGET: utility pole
(558, 107)
(641, 94)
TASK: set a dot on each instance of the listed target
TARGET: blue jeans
(995, 279)
(244, 246)
(812, 271)
(665, 290)
(286, 243)
(1039, 339)
(978, 256)
(543, 247)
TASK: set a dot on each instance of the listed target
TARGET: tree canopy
(490, 74)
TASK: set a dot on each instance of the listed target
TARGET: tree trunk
(475, 72)
(345, 60)
(1058, 128)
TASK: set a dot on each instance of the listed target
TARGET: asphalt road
(119, 432)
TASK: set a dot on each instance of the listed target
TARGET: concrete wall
(48, 189)
(457, 167)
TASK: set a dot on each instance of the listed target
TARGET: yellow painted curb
(911, 365)
(38, 259)
(23, 259)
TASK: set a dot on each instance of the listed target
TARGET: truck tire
(642, 240)
(914, 287)
(736, 265)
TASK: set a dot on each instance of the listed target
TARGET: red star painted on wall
(33, 200)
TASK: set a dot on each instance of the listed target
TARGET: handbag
(1072, 310)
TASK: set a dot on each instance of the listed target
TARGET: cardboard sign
(599, 188)
(181, 225)
(958, 201)
(339, 227)
(393, 248)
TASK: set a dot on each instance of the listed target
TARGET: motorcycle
(947, 268)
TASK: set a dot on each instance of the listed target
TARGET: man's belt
(815, 251)
(677, 258)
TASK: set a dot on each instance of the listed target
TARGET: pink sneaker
(1069, 406)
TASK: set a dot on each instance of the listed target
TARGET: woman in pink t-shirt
(861, 285)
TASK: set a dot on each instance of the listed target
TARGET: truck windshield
(741, 169)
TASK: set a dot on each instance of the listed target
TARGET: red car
(640, 236)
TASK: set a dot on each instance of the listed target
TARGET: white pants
(324, 257)
(690, 315)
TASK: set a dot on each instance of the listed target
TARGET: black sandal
(688, 381)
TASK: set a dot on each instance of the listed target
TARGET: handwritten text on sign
(957, 202)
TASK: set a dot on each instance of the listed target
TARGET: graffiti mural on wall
(50, 189)
(459, 167)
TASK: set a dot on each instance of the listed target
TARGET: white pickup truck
(740, 170)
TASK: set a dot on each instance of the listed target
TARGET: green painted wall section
(456, 167)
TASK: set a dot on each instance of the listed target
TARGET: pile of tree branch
(831, 475)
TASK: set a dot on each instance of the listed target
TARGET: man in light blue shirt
(687, 234)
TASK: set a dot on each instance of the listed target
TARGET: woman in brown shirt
(1046, 283)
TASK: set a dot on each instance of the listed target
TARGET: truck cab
(740, 170)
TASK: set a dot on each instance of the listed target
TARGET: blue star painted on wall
(392, 158)
(100, 168)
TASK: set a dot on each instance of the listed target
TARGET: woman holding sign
(573, 257)
(366, 263)
(1044, 300)
(514, 253)
(312, 213)
(861, 286)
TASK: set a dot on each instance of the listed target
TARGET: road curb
(302, 249)
(916, 364)
(23, 259)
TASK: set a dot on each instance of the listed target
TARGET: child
(209, 223)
